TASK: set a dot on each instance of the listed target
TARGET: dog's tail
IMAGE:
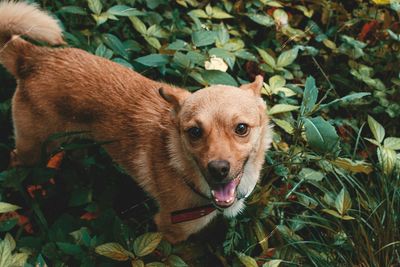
(20, 18)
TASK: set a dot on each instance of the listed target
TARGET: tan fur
(67, 89)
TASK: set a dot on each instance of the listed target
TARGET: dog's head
(222, 129)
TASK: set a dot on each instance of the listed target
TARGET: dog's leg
(28, 133)
(173, 233)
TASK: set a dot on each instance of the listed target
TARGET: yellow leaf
(216, 63)
(113, 251)
(381, 2)
(353, 166)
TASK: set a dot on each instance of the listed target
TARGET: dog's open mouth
(225, 194)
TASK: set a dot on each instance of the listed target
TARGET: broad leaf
(377, 129)
(282, 108)
(146, 243)
(343, 202)
(7, 207)
(153, 60)
(321, 136)
(247, 260)
(310, 96)
(287, 57)
(113, 251)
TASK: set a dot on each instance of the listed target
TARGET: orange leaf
(56, 160)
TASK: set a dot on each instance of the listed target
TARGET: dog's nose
(218, 169)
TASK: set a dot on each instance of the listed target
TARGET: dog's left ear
(174, 96)
(255, 86)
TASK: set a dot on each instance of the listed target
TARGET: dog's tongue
(225, 194)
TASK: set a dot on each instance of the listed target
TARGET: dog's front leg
(175, 233)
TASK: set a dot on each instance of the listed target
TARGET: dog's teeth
(212, 192)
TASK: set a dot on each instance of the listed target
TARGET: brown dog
(187, 150)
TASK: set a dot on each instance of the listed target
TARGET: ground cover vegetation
(329, 194)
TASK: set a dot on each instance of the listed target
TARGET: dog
(187, 150)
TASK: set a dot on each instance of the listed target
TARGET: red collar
(191, 213)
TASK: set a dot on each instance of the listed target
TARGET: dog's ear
(174, 96)
(255, 86)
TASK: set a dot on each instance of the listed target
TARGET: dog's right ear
(174, 96)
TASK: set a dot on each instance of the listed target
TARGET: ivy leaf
(146, 243)
(377, 129)
(343, 202)
(321, 135)
(113, 251)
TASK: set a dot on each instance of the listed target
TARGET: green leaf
(218, 77)
(146, 243)
(387, 158)
(337, 215)
(353, 166)
(282, 108)
(266, 57)
(137, 263)
(343, 202)
(95, 6)
(199, 13)
(153, 42)
(138, 25)
(285, 125)
(124, 11)
(247, 260)
(287, 58)
(70, 249)
(176, 261)
(272, 263)
(392, 143)
(153, 60)
(113, 251)
(203, 38)
(310, 96)
(244, 54)
(7, 207)
(155, 264)
(311, 175)
(115, 44)
(264, 20)
(347, 99)
(76, 10)
(321, 135)
(218, 13)
(377, 129)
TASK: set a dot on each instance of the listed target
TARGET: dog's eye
(194, 132)
(242, 129)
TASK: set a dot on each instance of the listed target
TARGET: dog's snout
(219, 169)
